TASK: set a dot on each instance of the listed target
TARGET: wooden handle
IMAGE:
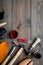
(8, 57)
(5, 61)
(16, 56)
(2, 24)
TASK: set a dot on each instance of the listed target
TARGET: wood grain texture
(21, 11)
(7, 5)
(21, 14)
(35, 18)
(18, 11)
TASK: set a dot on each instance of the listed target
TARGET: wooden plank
(37, 25)
(21, 14)
(35, 18)
(7, 5)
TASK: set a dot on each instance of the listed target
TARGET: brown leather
(26, 62)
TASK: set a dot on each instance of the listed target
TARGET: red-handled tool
(22, 40)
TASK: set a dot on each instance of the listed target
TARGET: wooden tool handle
(5, 61)
(8, 57)
(16, 56)
(2, 24)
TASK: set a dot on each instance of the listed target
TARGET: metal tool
(21, 50)
(9, 55)
(35, 43)
(35, 54)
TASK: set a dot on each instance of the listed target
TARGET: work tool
(21, 50)
(3, 24)
(35, 43)
(37, 55)
(1, 14)
(9, 55)
(23, 40)
(2, 31)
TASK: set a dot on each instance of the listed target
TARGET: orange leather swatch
(4, 49)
